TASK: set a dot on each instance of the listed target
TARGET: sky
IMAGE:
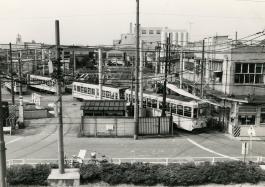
(99, 22)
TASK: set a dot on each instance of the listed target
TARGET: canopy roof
(104, 105)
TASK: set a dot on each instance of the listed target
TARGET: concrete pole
(2, 145)
(141, 79)
(59, 95)
(100, 73)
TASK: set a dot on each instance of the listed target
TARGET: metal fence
(165, 161)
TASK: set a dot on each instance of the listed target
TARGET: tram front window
(195, 112)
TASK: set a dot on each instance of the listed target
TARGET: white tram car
(16, 86)
(87, 91)
(42, 83)
(185, 111)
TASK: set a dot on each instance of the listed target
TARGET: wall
(107, 126)
(35, 114)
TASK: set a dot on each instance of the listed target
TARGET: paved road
(39, 140)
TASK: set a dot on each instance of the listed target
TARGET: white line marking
(209, 150)
(12, 141)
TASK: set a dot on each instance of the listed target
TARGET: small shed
(104, 108)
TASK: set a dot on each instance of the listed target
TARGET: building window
(143, 31)
(151, 32)
(158, 32)
(246, 119)
(249, 73)
(262, 116)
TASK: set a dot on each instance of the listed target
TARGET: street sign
(251, 131)
(244, 150)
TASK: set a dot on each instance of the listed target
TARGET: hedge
(146, 174)
(28, 175)
(173, 174)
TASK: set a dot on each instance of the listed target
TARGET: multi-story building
(233, 73)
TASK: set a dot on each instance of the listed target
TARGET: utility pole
(35, 65)
(2, 144)
(132, 70)
(20, 73)
(236, 38)
(74, 63)
(100, 73)
(181, 68)
(202, 64)
(141, 79)
(165, 81)
(12, 78)
(59, 95)
(136, 108)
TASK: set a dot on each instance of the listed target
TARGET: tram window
(187, 111)
(133, 99)
(97, 92)
(116, 96)
(195, 112)
(89, 90)
(168, 107)
(160, 105)
(128, 97)
(173, 108)
(74, 87)
(78, 88)
(144, 102)
(149, 102)
(112, 96)
(82, 89)
(103, 93)
(108, 94)
(93, 91)
(85, 89)
(180, 109)
(154, 103)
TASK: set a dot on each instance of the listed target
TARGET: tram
(185, 111)
(16, 85)
(42, 83)
(87, 91)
